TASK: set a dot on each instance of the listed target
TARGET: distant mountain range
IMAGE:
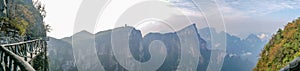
(61, 56)
(242, 54)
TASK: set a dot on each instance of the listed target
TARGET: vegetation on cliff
(22, 20)
(281, 49)
(24, 16)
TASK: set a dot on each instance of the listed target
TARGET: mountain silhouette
(239, 51)
(242, 54)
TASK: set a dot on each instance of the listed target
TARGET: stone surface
(2, 8)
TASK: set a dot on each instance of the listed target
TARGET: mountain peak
(190, 26)
(83, 32)
(252, 36)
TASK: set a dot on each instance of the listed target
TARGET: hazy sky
(240, 16)
(61, 16)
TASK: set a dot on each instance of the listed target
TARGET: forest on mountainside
(281, 49)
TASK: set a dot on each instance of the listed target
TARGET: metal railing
(18, 56)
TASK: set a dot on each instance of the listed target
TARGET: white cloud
(260, 7)
(262, 36)
(62, 13)
(187, 7)
(246, 54)
(244, 16)
(231, 55)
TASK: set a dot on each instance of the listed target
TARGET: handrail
(20, 42)
(22, 63)
(11, 55)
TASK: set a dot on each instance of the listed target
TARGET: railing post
(46, 57)
(35, 47)
(15, 66)
(14, 48)
(5, 60)
(30, 48)
(25, 53)
(10, 63)
(1, 54)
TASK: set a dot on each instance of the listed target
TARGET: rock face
(8, 34)
(139, 47)
(28, 1)
(21, 9)
(25, 10)
(60, 55)
(2, 8)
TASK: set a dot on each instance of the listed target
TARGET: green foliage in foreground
(281, 49)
